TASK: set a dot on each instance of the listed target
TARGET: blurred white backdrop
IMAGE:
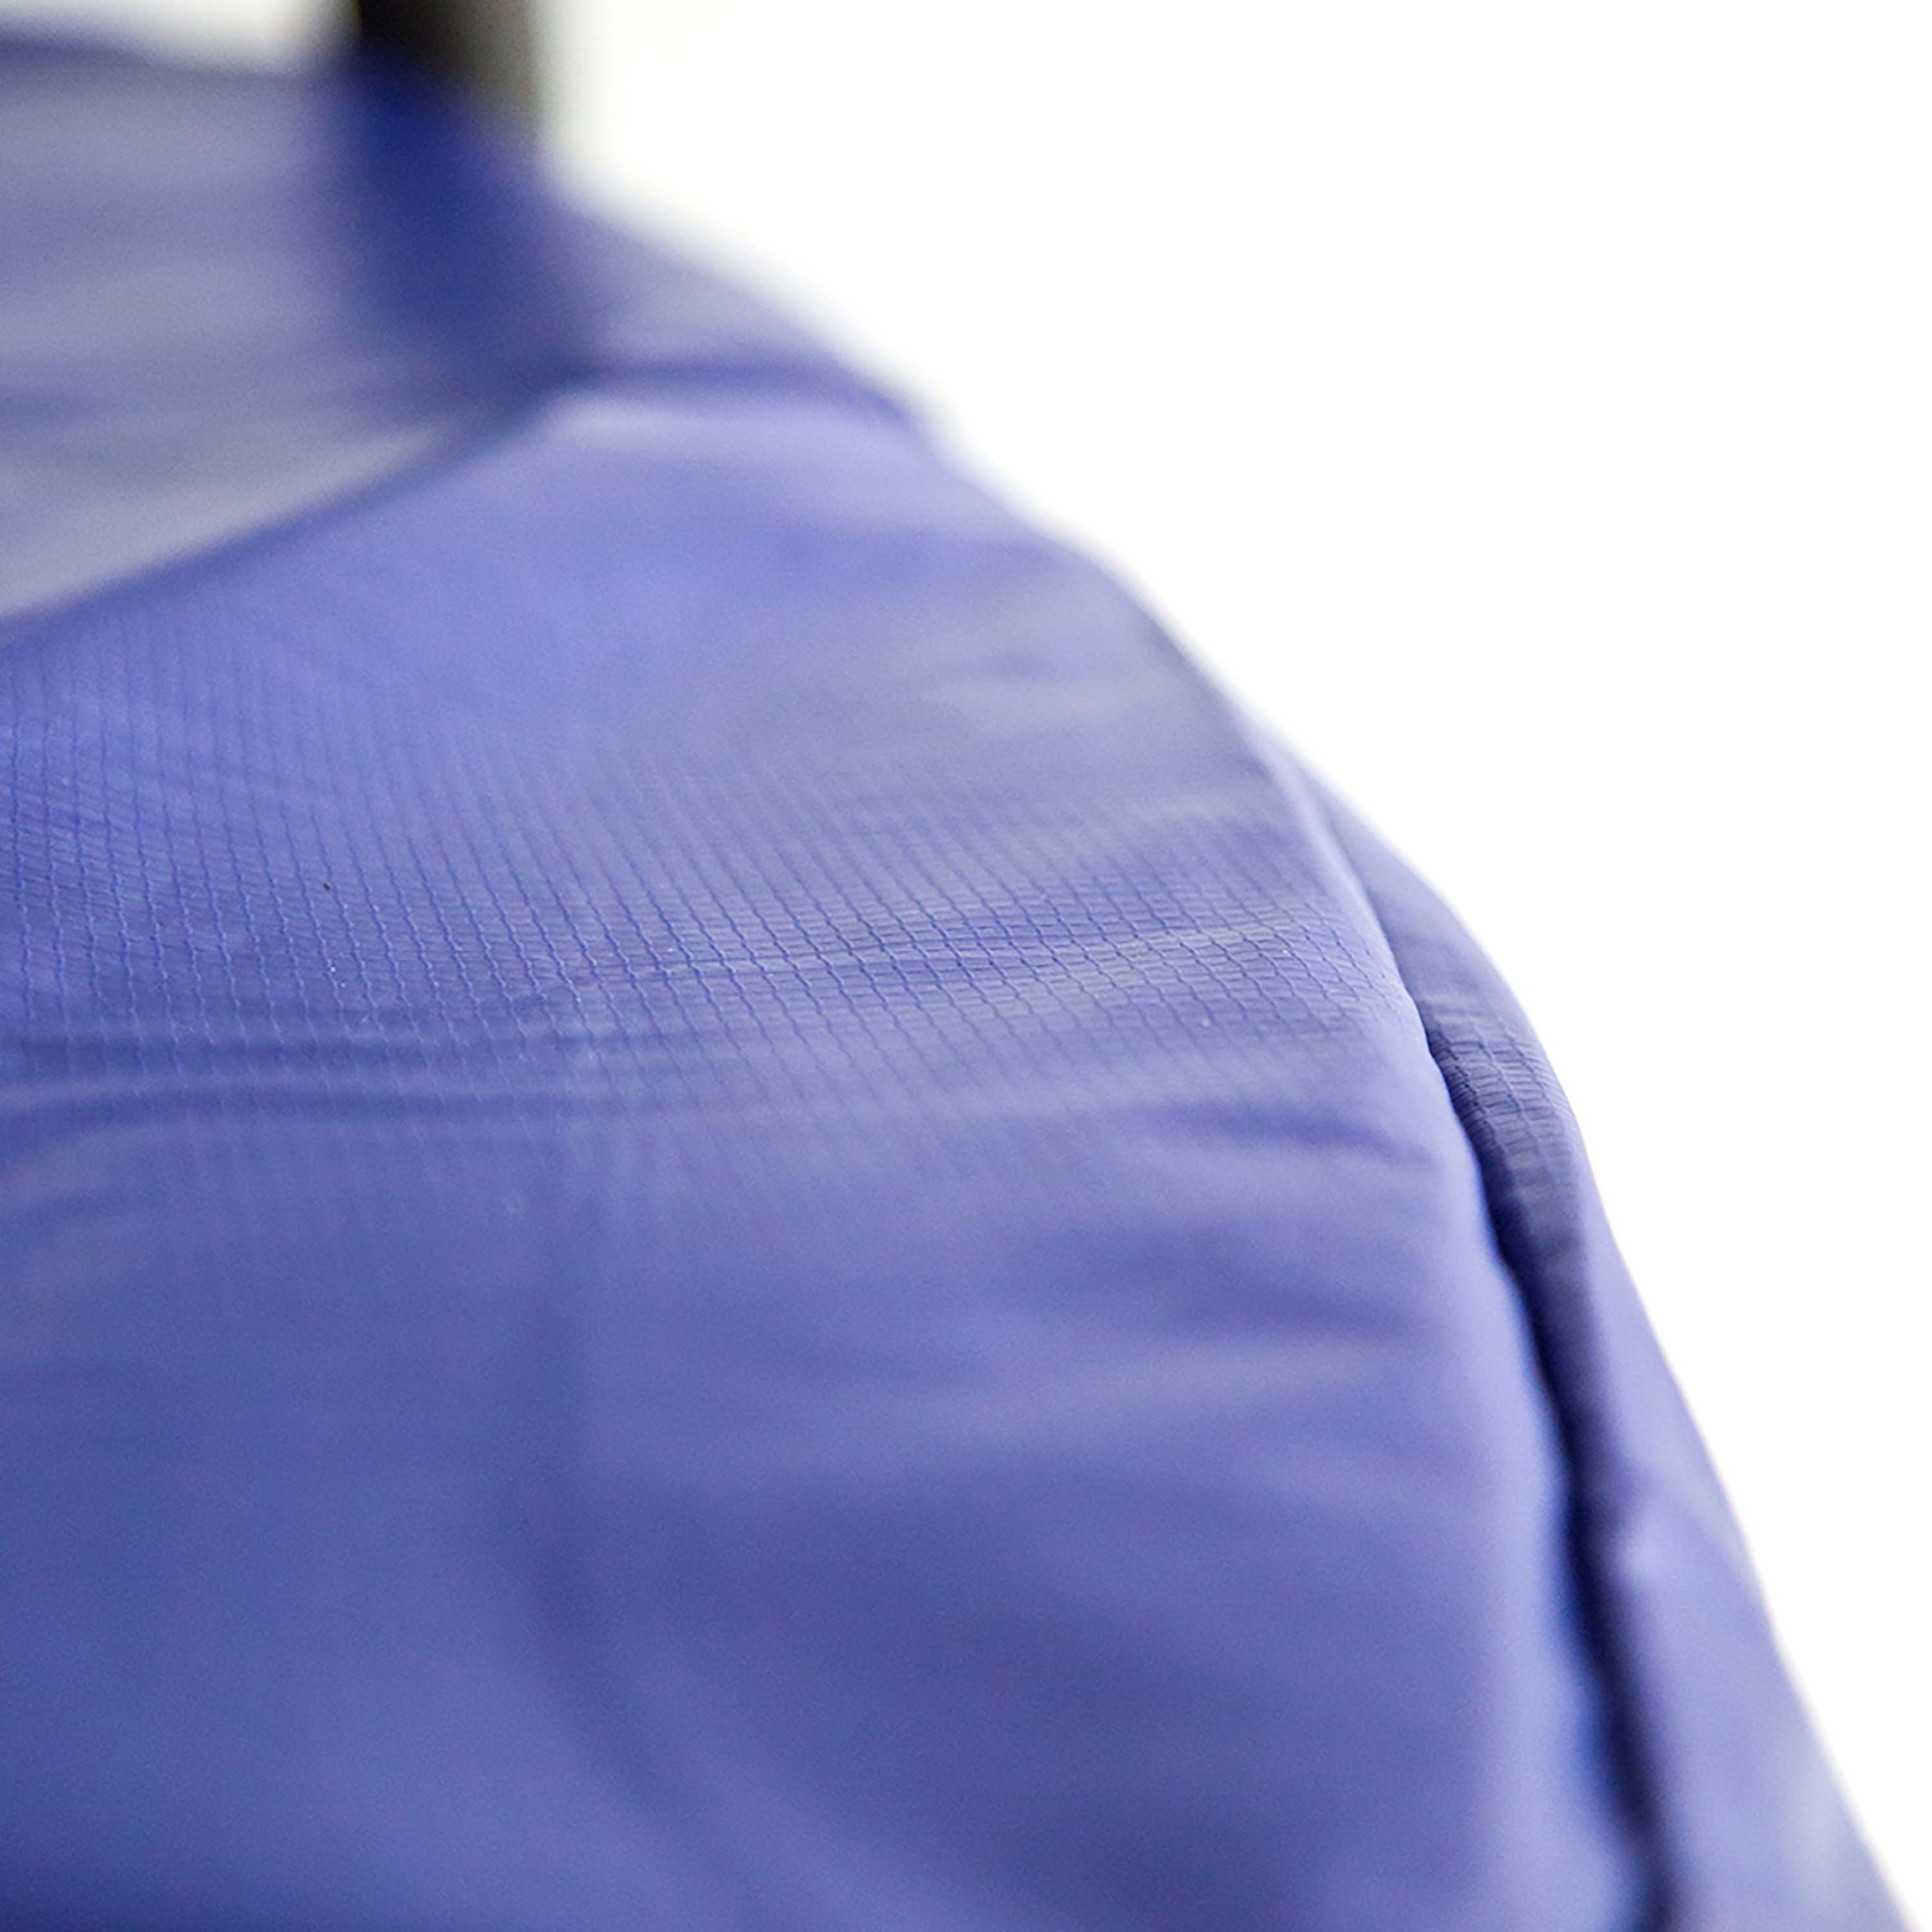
(1527, 409)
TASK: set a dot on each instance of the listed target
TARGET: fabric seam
(1602, 1642)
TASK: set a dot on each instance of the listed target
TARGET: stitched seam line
(1511, 1223)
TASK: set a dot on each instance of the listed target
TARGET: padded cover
(716, 1213)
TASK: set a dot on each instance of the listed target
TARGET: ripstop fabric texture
(717, 1212)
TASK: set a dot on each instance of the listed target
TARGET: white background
(1525, 407)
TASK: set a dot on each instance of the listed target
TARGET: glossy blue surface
(716, 1214)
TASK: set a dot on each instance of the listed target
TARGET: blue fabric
(716, 1215)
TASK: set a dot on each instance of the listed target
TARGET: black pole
(487, 47)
